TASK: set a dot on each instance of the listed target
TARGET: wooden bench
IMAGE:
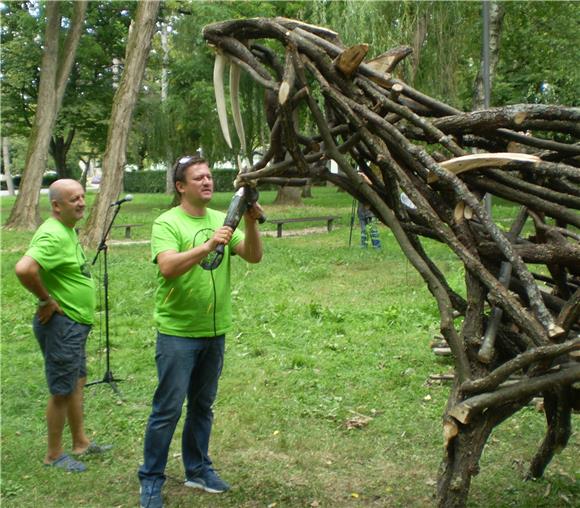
(329, 219)
(128, 228)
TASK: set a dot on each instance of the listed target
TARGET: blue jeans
(368, 226)
(186, 367)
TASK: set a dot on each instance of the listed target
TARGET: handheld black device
(243, 199)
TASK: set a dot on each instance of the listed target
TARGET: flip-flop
(94, 449)
(67, 463)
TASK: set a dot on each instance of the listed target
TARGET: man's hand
(46, 311)
(254, 212)
(222, 236)
(28, 272)
(365, 178)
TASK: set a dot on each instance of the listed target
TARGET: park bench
(128, 228)
(329, 219)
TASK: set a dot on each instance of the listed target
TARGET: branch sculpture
(513, 331)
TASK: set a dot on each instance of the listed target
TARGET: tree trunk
(53, 79)
(496, 13)
(85, 172)
(289, 196)
(164, 87)
(138, 45)
(59, 147)
(464, 444)
(169, 178)
(7, 172)
(419, 36)
(461, 464)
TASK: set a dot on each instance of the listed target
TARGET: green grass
(326, 337)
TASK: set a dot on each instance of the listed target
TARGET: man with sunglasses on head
(55, 270)
(192, 314)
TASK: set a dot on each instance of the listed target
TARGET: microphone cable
(209, 264)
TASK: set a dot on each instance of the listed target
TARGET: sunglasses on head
(183, 163)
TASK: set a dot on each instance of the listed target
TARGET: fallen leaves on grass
(357, 421)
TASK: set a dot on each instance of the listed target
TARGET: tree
(81, 123)
(86, 107)
(444, 36)
(138, 45)
(539, 43)
(55, 69)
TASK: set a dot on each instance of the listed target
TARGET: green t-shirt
(65, 271)
(197, 303)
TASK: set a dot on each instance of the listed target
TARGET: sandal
(94, 449)
(67, 463)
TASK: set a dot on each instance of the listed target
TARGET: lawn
(325, 399)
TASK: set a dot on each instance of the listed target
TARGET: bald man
(55, 270)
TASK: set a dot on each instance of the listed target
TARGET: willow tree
(138, 44)
(56, 65)
(444, 37)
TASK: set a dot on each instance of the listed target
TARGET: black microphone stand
(352, 214)
(108, 377)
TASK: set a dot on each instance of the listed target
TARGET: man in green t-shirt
(55, 270)
(192, 314)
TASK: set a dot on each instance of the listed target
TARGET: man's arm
(173, 264)
(28, 272)
(250, 249)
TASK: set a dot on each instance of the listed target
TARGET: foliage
(444, 36)
(47, 179)
(537, 42)
(154, 181)
(20, 37)
(325, 399)
(538, 48)
(144, 181)
(87, 101)
(537, 56)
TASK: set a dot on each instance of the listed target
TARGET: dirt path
(285, 234)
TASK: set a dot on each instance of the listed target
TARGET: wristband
(44, 303)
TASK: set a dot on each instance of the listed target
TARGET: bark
(59, 147)
(55, 71)
(516, 117)
(7, 165)
(164, 90)
(496, 14)
(138, 46)
(289, 196)
(558, 409)
(463, 447)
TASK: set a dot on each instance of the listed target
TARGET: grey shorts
(62, 342)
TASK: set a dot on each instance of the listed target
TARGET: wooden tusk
(218, 84)
(482, 160)
(235, 100)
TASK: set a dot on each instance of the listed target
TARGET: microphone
(128, 197)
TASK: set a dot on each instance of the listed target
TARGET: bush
(46, 181)
(154, 181)
(144, 182)
(223, 179)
